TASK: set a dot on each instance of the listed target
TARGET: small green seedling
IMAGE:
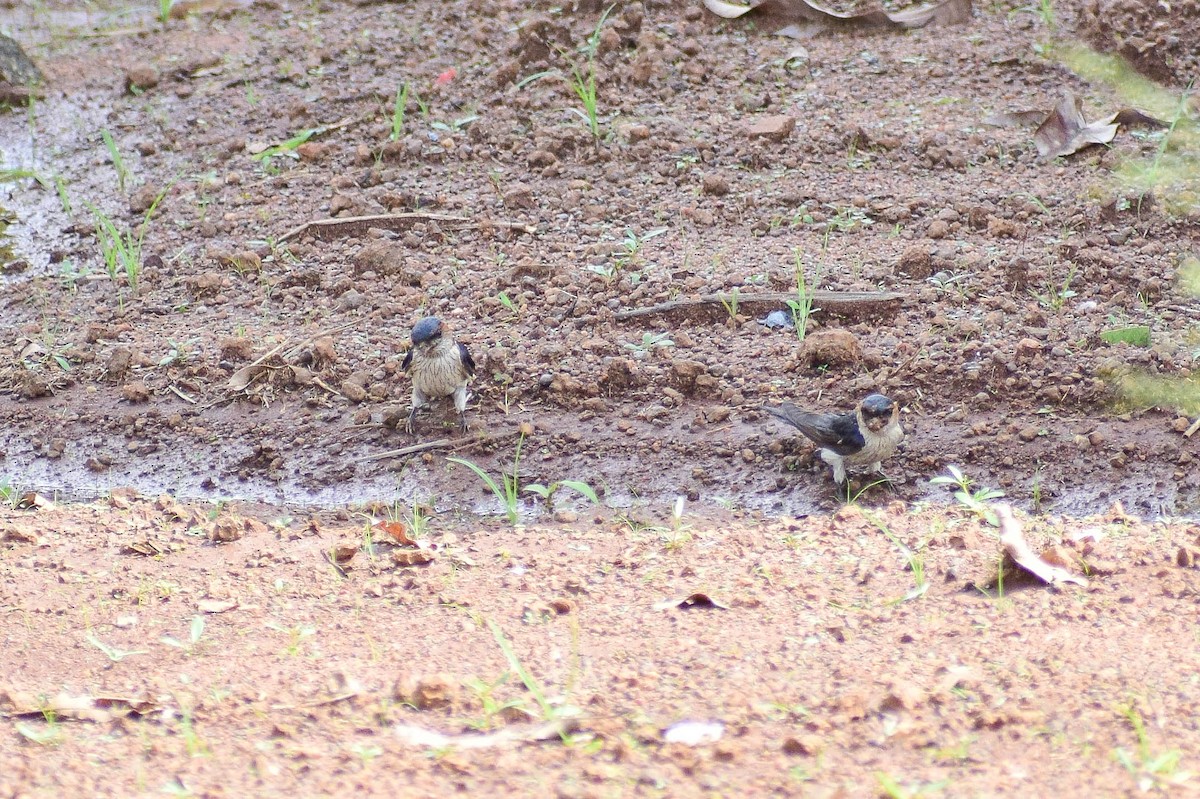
(650, 341)
(113, 654)
(195, 632)
(398, 110)
(583, 79)
(547, 492)
(976, 501)
(115, 155)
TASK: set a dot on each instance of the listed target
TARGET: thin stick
(414, 449)
(347, 225)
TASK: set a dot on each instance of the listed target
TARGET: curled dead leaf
(696, 600)
(147, 548)
(242, 378)
(946, 12)
(1012, 538)
(35, 501)
(1064, 130)
(396, 530)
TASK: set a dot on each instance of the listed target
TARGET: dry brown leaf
(947, 12)
(99, 709)
(242, 378)
(1065, 131)
(34, 500)
(397, 531)
(696, 600)
(1013, 540)
(547, 731)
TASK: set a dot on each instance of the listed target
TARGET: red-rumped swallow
(867, 436)
(439, 367)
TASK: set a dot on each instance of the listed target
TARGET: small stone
(938, 229)
(135, 392)
(353, 391)
(243, 261)
(427, 693)
(540, 159)
(716, 185)
(519, 195)
(802, 745)
(774, 128)
(140, 78)
(565, 516)
(916, 263)
(635, 132)
(777, 320)
(1028, 434)
(835, 347)
(339, 203)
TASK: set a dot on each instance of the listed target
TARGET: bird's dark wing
(407, 359)
(836, 431)
(466, 359)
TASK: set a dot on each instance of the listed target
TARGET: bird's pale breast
(877, 446)
(439, 372)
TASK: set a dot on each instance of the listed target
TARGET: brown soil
(532, 241)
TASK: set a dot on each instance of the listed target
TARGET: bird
(439, 367)
(866, 436)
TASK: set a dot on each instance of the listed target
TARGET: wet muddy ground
(172, 322)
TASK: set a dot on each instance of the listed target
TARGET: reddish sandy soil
(250, 374)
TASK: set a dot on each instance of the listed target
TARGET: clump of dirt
(1157, 38)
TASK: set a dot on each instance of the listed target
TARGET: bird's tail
(796, 417)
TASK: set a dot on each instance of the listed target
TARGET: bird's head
(428, 329)
(876, 412)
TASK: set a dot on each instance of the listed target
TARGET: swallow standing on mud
(865, 437)
(439, 367)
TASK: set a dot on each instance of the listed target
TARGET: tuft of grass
(730, 303)
(1055, 296)
(583, 78)
(195, 633)
(297, 635)
(115, 155)
(508, 490)
(1149, 769)
(122, 250)
(547, 492)
(549, 711)
(50, 735)
(9, 494)
(914, 557)
(802, 307)
(493, 708)
(398, 110)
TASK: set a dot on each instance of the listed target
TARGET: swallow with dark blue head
(439, 367)
(866, 436)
